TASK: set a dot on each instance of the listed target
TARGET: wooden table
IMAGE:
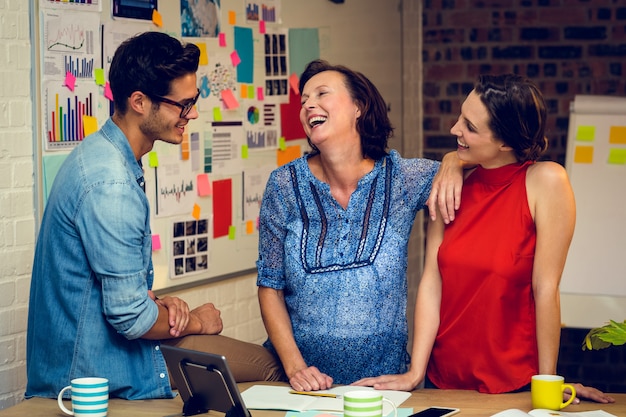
(471, 403)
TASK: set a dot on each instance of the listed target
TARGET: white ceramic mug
(90, 397)
(365, 403)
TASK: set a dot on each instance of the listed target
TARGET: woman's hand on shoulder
(445, 194)
(401, 382)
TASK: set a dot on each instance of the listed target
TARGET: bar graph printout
(92, 5)
(70, 51)
(64, 111)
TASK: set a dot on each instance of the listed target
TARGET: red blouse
(487, 336)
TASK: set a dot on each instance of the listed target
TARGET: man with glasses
(91, 309)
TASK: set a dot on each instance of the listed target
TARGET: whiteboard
(197, 237)
(594, 278)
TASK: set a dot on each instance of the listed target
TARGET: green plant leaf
(611, 334)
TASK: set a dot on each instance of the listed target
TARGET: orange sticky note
(157, 19)
(234, 58)
(250, 227)
(288, 155)
(204, 58)
(222, 39)
(293, 82)
(261, 26)
(229, 99)
(156, 242)
(617, 134)
(90, 124)
(184, 147)
(70, 81)
(196, 212)
(583, 155)
(204, 185)
(243, 93)
(232, 17)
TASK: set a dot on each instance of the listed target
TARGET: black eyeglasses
(184, 108)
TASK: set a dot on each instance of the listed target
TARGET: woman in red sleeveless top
(488, 312)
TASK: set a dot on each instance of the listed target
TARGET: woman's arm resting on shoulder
(278, 326)
(445, 194)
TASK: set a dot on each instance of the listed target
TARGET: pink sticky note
(261, 26)
(234, 58)
(70, 81)
(229, 99)
(222, 39)
(293, 82)
(107, 91)
(259, 93)
(156, 242)
(204, 186)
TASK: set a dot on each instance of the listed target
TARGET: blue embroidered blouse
(343, 272)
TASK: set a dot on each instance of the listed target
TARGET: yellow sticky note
(586, 133)
(153, 159)
(232, 232)
(249, 227)
(217, 114)
(281, 143)
(204, 58)
(617, 134)
(196, 212)
(244, 151)
(583, 155)
(617, 156)
(90, 124)
(232, 18)
(250, 91)
(157, 19)
(99, 74)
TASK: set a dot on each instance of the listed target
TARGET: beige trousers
(247, 361)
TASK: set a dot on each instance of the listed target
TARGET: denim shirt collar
(114, 134)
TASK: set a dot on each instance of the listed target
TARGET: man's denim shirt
(89, 301)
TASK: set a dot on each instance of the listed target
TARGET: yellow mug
(547, 392)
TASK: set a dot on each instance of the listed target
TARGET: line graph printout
(176, 190)
(71, 43)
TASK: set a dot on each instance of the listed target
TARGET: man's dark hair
(149, 62)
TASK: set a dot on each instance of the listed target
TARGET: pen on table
(313, 394)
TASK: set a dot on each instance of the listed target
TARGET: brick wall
(17, 220)
(566, 47)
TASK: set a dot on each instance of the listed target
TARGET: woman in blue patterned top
(334, 231)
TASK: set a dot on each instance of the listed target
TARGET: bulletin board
(596, 165)
(205, 194)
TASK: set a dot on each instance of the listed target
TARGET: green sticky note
(250, 91)
(99, 73)
(244, 151)
(617, 156)
(586, 133)
(153, 159)
(232, 230)
(217, 114)
(281, 143)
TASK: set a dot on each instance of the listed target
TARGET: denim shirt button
(161, 375)
(157, 348)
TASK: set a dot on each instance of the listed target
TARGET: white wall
(17, 222)
(363, 34)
